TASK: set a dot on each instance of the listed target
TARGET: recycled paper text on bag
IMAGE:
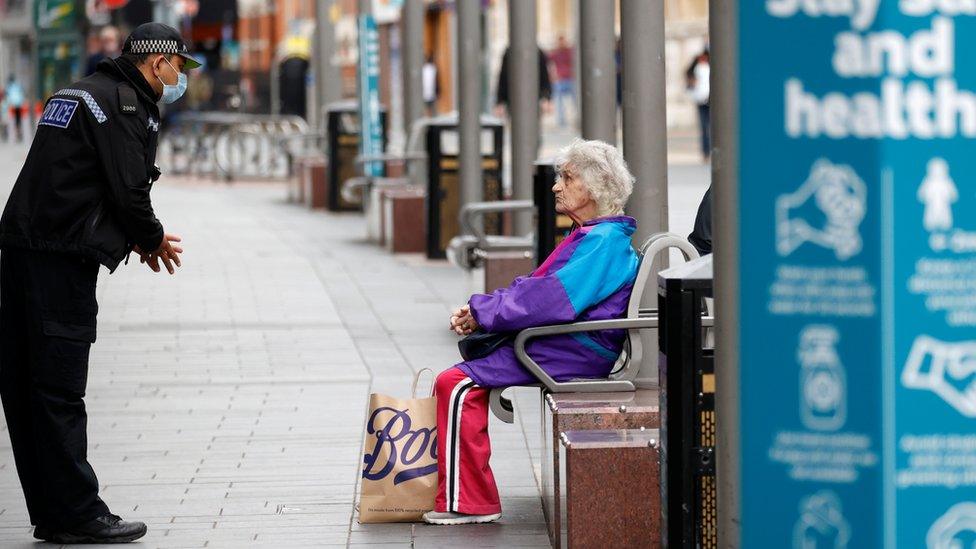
(399, 480)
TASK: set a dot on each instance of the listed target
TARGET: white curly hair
(602, 170)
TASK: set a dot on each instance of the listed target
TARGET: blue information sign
(857, 263)
(371, 131)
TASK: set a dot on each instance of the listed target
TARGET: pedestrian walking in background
(17, 105)
(502, 92)
(81, 200)
(563, 88)
(697, 77)
(292, 75)
(109, 46)
(4, 125)
(431, 87)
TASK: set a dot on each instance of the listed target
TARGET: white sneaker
(450, 519)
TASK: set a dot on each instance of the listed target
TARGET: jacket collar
(629, 224)
(121, 68)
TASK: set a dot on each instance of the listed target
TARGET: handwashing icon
(822, 523)
(826, 210)
(946, 369)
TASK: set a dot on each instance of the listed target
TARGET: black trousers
(47, 326)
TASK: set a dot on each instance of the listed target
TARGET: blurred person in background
(291, 81)
(544, 94)
(563, 88)
(16, 103)
(697, 77)
(109, 46)
(502, 92)
(80, 201)
(3, 117)
(431, 87)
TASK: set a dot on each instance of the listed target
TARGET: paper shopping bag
(399, 480)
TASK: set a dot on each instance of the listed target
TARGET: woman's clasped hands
(463, 322)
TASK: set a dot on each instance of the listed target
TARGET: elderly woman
(589, 276)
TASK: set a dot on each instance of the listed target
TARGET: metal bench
(309, 140)
(356, 190)
(469, 249)
(628, 364)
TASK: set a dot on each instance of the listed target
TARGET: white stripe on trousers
(452, 443)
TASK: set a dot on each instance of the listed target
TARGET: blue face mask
(172, 92)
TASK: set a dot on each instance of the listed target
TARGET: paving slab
(227, 403)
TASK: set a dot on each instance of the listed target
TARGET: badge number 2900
(59, 112)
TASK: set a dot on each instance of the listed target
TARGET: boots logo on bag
(404, 446)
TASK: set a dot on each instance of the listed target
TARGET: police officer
(82, 199)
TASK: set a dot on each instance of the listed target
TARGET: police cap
(158, 38)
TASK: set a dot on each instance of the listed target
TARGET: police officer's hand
(168, 252)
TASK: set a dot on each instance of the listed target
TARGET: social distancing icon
(937, 192)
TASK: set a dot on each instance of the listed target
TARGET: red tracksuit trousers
(465, 483)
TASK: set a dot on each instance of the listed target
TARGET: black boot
(104, 529)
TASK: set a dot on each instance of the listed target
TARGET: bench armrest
(474, 210)
(591, 326)
(389, 157)
(311, 136)
(353, 190)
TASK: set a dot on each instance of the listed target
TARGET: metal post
(644, 111)
(645, 131)
(275, 83)
(412, 48)
(469, 99)
(598, 76)
(327, 78)
(723, 30)
(523, 101)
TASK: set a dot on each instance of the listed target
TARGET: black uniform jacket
(84, 188)
(701, 236)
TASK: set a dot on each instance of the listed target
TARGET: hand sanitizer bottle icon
(823, 381)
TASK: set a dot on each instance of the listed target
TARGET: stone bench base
(611, 493)
(313, 182)
(403, 220)
(586, 412)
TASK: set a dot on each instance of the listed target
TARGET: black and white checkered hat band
(157, 46)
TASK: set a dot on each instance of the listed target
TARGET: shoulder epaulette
(90, 102)
(128, 103)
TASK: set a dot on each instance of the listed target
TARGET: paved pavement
(226, 403)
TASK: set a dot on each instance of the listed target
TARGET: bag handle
(416, 380)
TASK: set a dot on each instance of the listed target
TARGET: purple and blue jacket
(589, 276)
